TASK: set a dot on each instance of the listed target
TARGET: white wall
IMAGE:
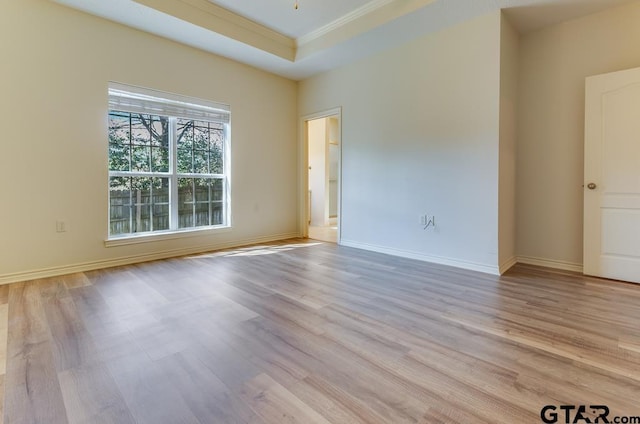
(553, 65)
(317, 133)
(55, 66)
(509, 49)
(420, 135)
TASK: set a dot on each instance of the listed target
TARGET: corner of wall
(509, 51)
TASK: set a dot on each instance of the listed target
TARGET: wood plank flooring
(306, 332)
(325, 233)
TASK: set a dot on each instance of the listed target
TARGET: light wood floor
(327, 233)
(309, 333)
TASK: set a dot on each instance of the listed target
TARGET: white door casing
(612, 176)
(303, 170)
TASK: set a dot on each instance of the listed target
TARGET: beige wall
(420, 136)
(509, 49)
(553, 65)
(423, 126)
(54, 70)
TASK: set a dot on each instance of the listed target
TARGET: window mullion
(151, 204)
(131, 208)
(226, 171)
(173, 170)
(139, 174)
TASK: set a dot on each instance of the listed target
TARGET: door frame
(303, 169)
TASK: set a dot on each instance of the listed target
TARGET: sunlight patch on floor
(257, 250)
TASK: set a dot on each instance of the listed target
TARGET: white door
(612, 176)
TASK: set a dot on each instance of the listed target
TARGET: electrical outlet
(61, 226)
(427, 221)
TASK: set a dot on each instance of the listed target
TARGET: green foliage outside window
(140, 144)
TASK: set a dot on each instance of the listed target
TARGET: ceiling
(281, 16)
(321, 34)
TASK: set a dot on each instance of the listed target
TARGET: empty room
(305, 211)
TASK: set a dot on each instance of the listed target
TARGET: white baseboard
(473, 266)
(550, 263)
(504, 267)
(88, 266)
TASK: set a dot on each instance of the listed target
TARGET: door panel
(618, 236)
(612, 163)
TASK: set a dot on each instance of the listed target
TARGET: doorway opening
(322, 194)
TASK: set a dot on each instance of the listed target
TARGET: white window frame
(133, 99)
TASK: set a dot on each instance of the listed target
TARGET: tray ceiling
(321, 34)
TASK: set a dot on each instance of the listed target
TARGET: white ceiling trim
(371, 16)
(209, 16)
(342, 21)
(212, 17)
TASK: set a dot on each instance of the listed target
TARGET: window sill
(169, 235)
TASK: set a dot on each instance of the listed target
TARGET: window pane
(217, 211)
(119, 205)
(217, 189)
(160, 131)
(161, 217)
(140, 125)
(216, 151)
(201, 192)
(185, 202)
(160, 204)
(200, 135)
(119, 157)
(150, 204)
(159, 159)
(119, 127)
(200, 162)
(185, 132)
(217, 205)
(140, 158)
(185, 160)
(202, 214)
(185, 145)
(197, 207)
(141, 211)
(200, 147)
(202, 195)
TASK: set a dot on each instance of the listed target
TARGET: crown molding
(342, 21)
(212, 17)
(362, 20)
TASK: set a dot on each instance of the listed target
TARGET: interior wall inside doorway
(323, 171)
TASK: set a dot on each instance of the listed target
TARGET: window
(168, 162)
